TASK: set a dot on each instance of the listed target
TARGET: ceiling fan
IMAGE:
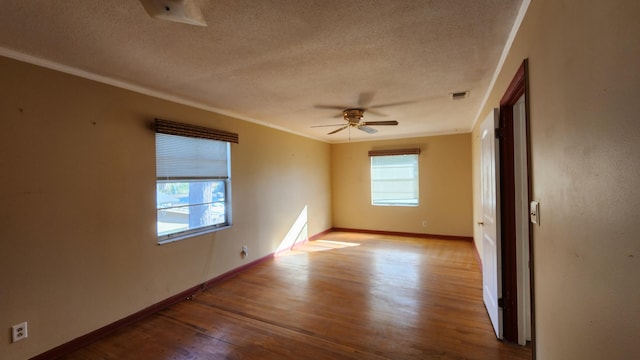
(354, 115)
(354, 119)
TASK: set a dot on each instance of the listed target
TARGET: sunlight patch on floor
(337, 244)
(316, 246)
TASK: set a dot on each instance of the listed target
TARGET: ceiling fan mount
(353, 115)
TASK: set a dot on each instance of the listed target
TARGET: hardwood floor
(347, 296)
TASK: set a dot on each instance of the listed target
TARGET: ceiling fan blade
(368, 130)
(365, 98)
(384, 122)
(315, 126)
(335, 107)
(332, 107)
(375, 112)
(339, 129)
(390, 104)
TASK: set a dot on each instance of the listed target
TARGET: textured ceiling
(277, 61)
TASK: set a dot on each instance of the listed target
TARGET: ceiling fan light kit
(353, 114)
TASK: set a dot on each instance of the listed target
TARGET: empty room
(191, 179)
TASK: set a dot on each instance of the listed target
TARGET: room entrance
(507, 255)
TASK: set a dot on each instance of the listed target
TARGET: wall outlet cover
(19, 332)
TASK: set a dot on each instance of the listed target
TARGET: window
(193, 183)
(394, 177)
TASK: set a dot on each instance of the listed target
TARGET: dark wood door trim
(517, 88)
(508, 226)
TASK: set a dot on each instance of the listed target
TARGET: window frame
(415, 179)
(191, 131)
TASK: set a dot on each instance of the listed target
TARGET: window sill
(397, 205)
(166, 239)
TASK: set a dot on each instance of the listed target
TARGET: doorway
(515, 229)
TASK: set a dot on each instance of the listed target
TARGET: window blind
(412, 151)
(179, 157)
(194, 131)
(185, 151)
(394, 180)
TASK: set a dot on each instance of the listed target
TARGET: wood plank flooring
(346, 296)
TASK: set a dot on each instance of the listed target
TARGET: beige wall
(445, 187)
(78, 245)
(78, 249)
(584, 61)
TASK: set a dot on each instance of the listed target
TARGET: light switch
(534, 212)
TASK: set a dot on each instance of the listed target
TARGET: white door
(491, 263)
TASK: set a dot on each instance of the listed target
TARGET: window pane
(188, 205)
(394, 180)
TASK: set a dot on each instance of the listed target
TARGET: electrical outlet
(424, 223)
(19, 332)
(245, 250)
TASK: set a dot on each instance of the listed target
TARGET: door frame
(516, 89)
